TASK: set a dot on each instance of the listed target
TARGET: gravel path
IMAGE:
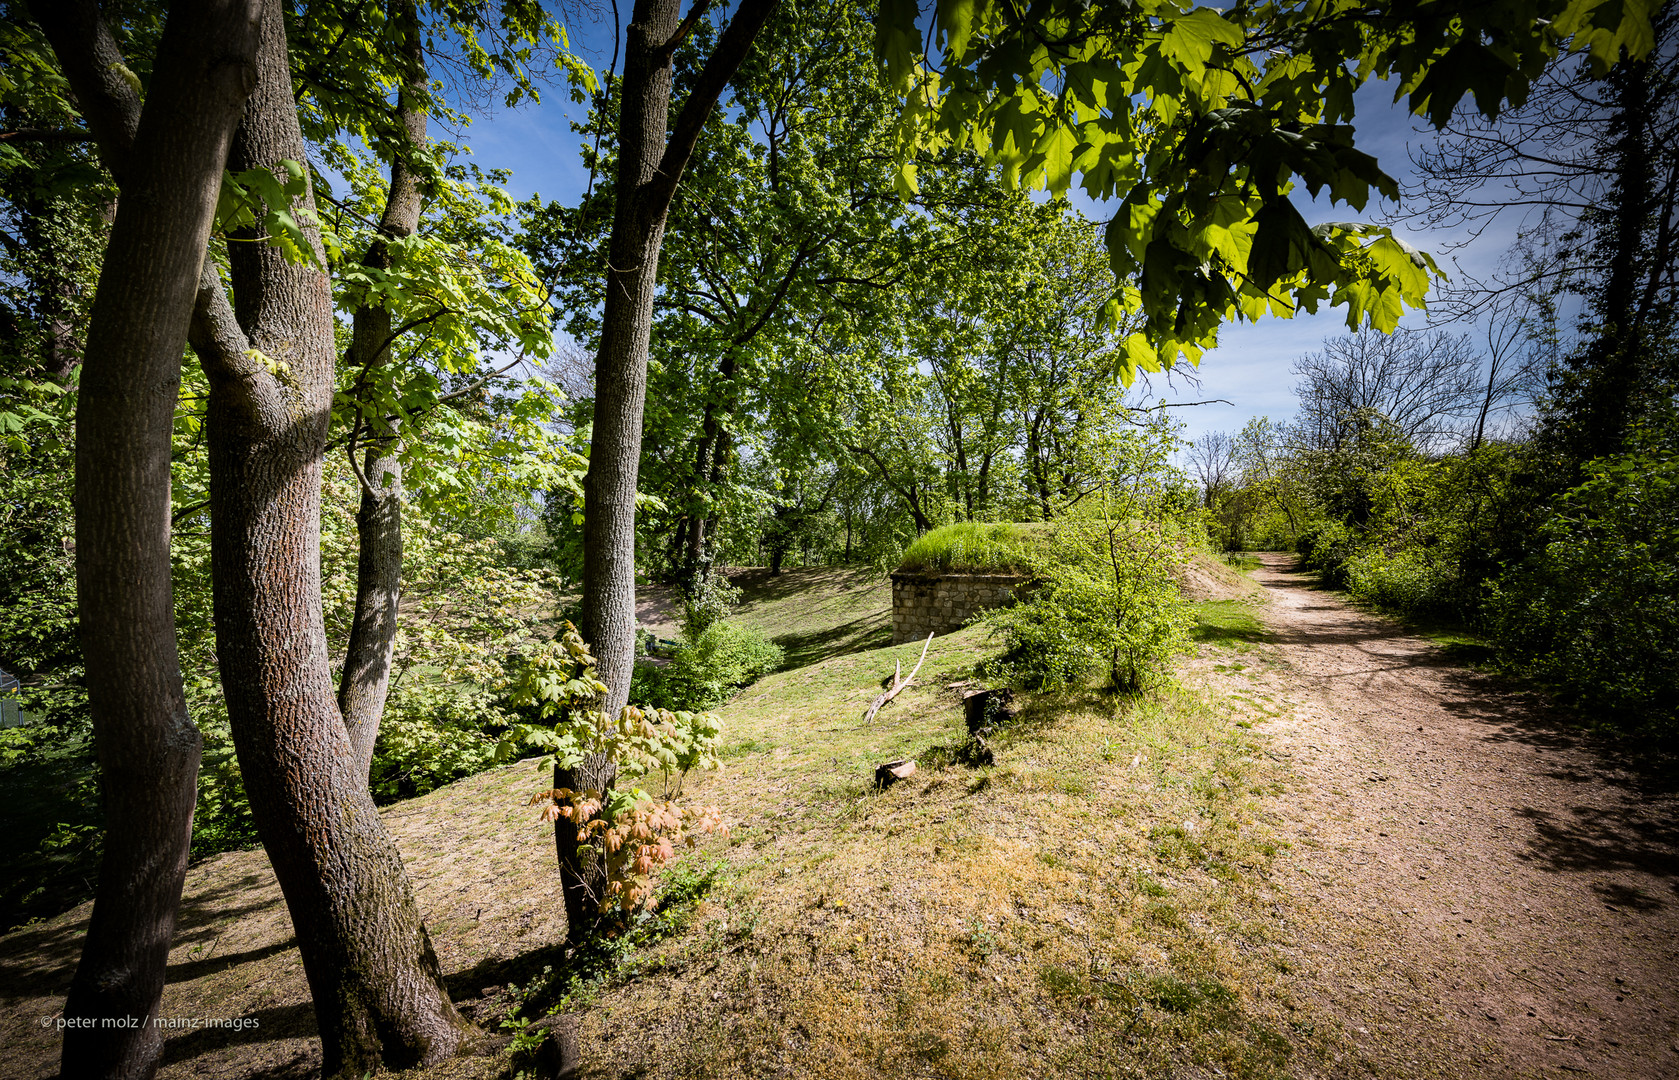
(1471, 889)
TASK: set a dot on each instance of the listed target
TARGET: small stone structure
(938, 603)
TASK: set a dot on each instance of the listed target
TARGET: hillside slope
(1084, 904)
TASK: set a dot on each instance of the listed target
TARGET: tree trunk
(615, 442)
(721, 451)
(378, 993)
(713, 457)
(621, 366)
(1617, 359)
(148, 748)
(910, 496)
(694, 541)
(366, 680)
(649, 168)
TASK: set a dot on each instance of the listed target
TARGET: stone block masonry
(940, 603)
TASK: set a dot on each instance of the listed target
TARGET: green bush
(432, 735)
(971, 545)
(1409, 581)
(1325, 545)
(1594, 612)
(221, 821)
(1105, 597)
(708, 603)
(704, 672)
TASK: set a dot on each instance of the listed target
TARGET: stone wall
(940, 603)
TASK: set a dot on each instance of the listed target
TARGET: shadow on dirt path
(1472, 889)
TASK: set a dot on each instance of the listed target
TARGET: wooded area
(329, 470)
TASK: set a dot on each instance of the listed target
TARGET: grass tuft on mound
(972, 546)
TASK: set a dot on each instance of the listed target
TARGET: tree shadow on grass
(859, 635)
(1227, 622)
(534, 982)
(1228, 635)
(293, 1021)
(758, 585)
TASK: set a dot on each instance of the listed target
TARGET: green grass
(974, 546)
(1227, 622)
(1094, 903)
(1242, 560)
(1091, 904)
(816, 613)
(1462, 645)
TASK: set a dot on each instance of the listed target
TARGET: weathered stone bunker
(937, 603)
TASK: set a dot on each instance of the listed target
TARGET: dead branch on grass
(896, 686)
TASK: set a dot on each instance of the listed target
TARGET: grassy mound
(974, 547)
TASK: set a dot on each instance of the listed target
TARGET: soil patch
(1475, 890)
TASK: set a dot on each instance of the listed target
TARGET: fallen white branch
(897, 685)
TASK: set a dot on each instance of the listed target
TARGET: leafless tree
(1427, 383)
(1549, 168)
(1214, 463)
(1587, 169)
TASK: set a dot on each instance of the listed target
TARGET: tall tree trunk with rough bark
(170, 175)
(378, 992)
(366, 680)
(649, 168)
(379, 995)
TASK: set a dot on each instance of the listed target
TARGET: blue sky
(1250, 366)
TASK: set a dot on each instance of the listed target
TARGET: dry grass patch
(1085, 907)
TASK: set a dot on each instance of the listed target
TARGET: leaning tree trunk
(378, 992)
(148, 748)
(649, 168)
(366, 680)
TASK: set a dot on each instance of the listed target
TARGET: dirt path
(1472, 890)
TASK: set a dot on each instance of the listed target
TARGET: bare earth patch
(474, 854)
(1473, 891)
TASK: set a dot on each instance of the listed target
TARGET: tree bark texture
(621, 367)
(649, 168)
(366, 680)
(148, 748)
(378, 992)
(615, 444)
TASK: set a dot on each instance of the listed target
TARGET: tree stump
(987, 710)
(890, 773)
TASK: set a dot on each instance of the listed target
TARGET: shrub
(1105, 596)
(704, 672)
(625, 828)
(706, 604)
(222, 818)
(1594, 612)
(971, 545)
(1409, 582)
(432, 735)
(1325, 545)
